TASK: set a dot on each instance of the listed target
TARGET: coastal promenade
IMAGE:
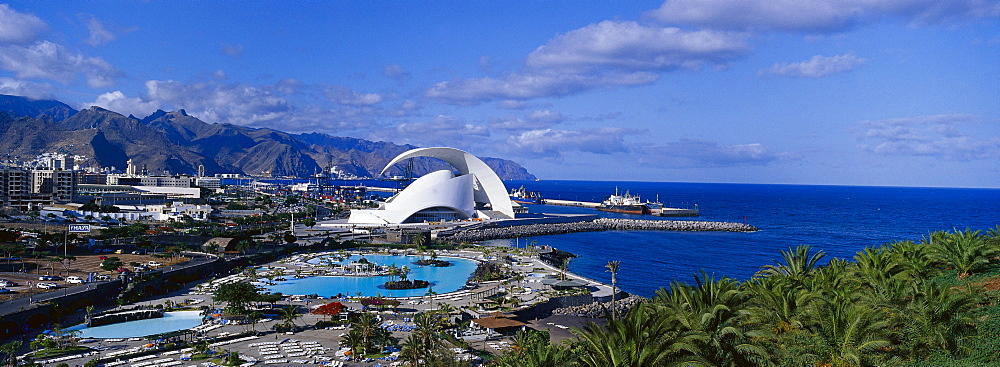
(596, 225)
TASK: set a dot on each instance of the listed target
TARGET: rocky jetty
(596, 310)
(600, 224)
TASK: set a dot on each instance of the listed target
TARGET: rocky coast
(596, 310)
(599, 224)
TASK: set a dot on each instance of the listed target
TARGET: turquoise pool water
(442, 279)
(171, 321)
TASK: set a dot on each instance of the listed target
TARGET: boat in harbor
(627, 204)
(523, 196)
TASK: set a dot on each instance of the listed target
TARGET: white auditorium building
(471, 191)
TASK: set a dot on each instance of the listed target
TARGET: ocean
(840, 220)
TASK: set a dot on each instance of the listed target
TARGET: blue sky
(844, 92)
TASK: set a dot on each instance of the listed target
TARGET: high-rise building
(60, 183)
(131, 169)
(16, 190)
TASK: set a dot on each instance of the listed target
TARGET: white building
(165, 212)
(474, 192)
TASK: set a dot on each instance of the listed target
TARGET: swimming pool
(171, 321)
(443, 279)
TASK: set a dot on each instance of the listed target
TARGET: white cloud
(528, 86)
(47, 60)
(268, 106)
(346, 96)
(396, 72)
(119, 102)
(553, 143)
(98, 35)
(603, 55)
(817, 66)
(546, 116)
(511, 104)
(227, 103)
(443, 130)
(629, 47)
(26, 89)
(817, 16)
(937, 136)
(694, 153)
(536, 120)
(233, 50)
(19, 28)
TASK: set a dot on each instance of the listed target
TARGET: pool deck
(329, 339)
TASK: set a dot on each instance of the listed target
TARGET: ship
(627, 204)
(523, 196)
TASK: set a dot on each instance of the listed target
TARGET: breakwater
(596, 225)
(597, 310)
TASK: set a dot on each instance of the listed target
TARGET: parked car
(50, 277)
(102, 277)
(74, 280)
(7, 283)
(154, 263)
(4, 290)
(48, 285)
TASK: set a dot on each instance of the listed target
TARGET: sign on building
(79, 228)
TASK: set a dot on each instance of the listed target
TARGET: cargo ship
(523, 196)
(627, 204)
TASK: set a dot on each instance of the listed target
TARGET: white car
(74, 280)
(153, 263)
(48, 285)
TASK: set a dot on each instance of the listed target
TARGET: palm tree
(798, 263)
(393, 272)
(562, 268)
(9, 351)
(90, 311)
(645, 336)
(776, 303)
(67, 260)
(254, 317)
(431, 293)
(880, 276)
(250, 272)
(532, 349)
(613, 269)
(366, 327)
(965, 251)
(288, 316)
(404, 271)
(939, 318)
(713, 311)
(914, 259)
(425, 340)
(852, 334)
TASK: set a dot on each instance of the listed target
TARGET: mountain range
(175, 142)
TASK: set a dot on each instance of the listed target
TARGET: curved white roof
(476, 185)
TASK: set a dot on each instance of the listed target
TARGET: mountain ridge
(175, 142)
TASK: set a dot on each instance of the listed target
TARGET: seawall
(600, 224)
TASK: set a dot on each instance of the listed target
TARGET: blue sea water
(839, 220)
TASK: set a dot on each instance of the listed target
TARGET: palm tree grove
(927, 303)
